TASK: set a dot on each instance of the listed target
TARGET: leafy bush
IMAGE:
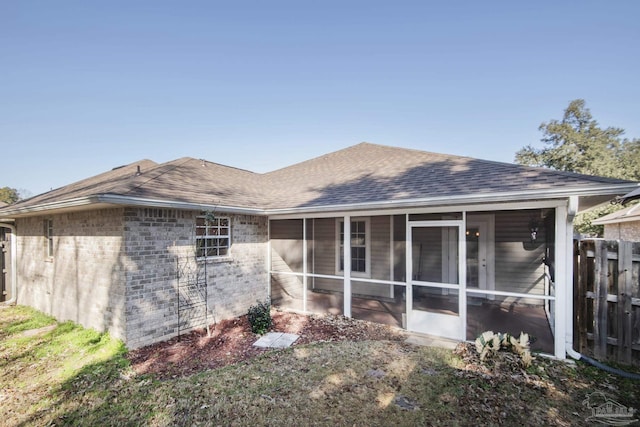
(260, 317)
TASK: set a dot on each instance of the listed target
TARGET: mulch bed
(231, 341)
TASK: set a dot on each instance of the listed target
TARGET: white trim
(463, 276)
(269, 259)
(512, 294)
(367, 245)
(207, 237)
(532, 204)
(408, 272)
(304, 264)
(489, 240)
(106, 200)
(329, 276)
(564, 273)
(449, 326)
(563, 229)
(347, 266)
(440, 285)
(103, 200)
(392, 259)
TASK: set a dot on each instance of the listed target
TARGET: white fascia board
(104, 200)
(430, 208)
(452, 201)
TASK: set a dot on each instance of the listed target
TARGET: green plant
(490, 343)
(260, 317)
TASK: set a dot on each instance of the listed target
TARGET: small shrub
(260, 317)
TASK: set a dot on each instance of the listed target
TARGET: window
(213, 237)
(359, 247)
(48, 235)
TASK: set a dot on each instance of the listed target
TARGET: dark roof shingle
(363, 173)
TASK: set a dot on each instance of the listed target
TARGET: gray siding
(324, 256)
(400, 247)
(380, 247)
(518, 261)
(286, 245)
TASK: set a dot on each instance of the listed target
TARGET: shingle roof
(367, 173)
(364, 173)
(628, 214)
(183, 180)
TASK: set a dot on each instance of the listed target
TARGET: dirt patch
(231, 341)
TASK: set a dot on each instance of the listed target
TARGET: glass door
(435, 305)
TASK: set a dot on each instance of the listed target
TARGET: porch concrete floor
(483, 316)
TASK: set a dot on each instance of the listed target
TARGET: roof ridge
(322, 156)
(178, 163)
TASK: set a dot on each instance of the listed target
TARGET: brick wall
(115, 269)
(157, 240)
(84, 279)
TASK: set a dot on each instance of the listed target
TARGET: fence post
(601, 290)
(577, 312)
(580, 274)
(625, 289)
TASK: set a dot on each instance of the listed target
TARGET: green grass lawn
(67, 375)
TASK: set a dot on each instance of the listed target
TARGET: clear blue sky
(86, 86)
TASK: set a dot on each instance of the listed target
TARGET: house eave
(617, 220)
(499, 197)
(110, 200)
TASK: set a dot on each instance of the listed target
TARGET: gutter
(114, 199)
(14, 264)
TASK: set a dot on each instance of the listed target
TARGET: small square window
(213, 237)
(359, 246)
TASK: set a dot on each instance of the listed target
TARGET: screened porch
(453, 274)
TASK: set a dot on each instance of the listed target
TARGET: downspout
(14, 264)
(572, 209)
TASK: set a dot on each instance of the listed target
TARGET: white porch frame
(564, 211)
(461, 319)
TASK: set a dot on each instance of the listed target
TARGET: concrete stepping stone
(276, 340)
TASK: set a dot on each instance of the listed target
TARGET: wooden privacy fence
(607, 300)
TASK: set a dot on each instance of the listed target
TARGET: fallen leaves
(231, 341)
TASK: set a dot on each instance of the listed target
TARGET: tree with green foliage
(578, 144)
(9, 195)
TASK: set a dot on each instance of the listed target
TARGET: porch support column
(564, 277)
(304, 265)
(347, 266)
(408, 271)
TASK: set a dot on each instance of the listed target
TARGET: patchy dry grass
(72, 376)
